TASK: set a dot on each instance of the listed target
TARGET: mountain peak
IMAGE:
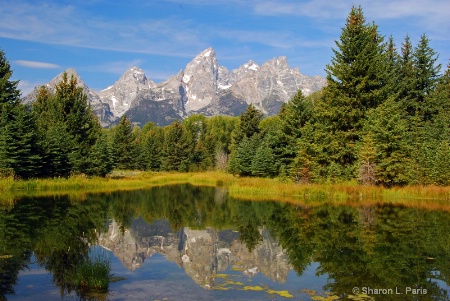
(251, 65)
(200, 80)
(134, 69)
(70, 72)
(207, 53)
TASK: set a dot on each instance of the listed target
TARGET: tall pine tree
(357, 82)
(18, 140)
(124, 144)
(67, 127)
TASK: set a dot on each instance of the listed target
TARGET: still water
(196, 243)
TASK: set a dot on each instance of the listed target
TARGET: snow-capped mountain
(121, 95)
(202, 87)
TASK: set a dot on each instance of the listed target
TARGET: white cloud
(117, 67)
(33, 64)
(68, 25)
(431, 15)
(277, 39)
(313, 9)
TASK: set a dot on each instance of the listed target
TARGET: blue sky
(101, 39)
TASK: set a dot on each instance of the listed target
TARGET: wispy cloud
(431, 15)
(68, 25)
(117, 67)
(312, 9)
(282, 39)
(33, 64)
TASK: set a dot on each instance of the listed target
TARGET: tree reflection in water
(383, 246)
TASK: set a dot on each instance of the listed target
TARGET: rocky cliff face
(200, 81)
(201, 253)
(202, 87)
(123, 93)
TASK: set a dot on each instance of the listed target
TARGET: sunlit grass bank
(432, 197)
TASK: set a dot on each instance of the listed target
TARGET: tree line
(383, 118)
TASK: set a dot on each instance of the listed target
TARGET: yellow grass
(431, 197)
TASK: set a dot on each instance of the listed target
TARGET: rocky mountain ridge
(203, 254)
(202, 87)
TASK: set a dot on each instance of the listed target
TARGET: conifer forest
(383, 119)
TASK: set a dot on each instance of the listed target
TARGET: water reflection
(222, 243)
(201, 253)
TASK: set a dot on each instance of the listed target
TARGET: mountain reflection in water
(232, 249)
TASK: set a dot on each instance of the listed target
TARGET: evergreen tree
(243, 156)
(82, 124)
(262, 164)
(124, 145)
(249, 124)
(153, 148)
(435, 135)
(138, 153)
(65, 116)
(406, 81)
(426, 78)
(392, 68)
(292, 120)
(18, 140)
(176, 148)
(101, 158)
(357, 82)
(9, 93)
(201, 145)
(388, 130)
(242, 147)
(440, 172)
(56, 145)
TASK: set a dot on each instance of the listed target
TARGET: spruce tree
(293, 118)
(9, 93)
(406, 76)
(101, 158)
(18, 140)
(176, 148)
(241, 156)
(392, 68)
(65, 111)
(124, 145)
(81, 122)
(388, 129)
(426, 78)
(249, 124)
(262, 164)
(357, 82)
(153, 148)
(55, 142)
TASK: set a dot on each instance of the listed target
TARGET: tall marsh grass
(433, 197)
(93, 275)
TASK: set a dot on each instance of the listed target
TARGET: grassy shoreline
(431, 197)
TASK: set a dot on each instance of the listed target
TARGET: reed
(93, 275)
(432, 197)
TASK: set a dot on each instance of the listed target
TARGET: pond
(183, 242)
